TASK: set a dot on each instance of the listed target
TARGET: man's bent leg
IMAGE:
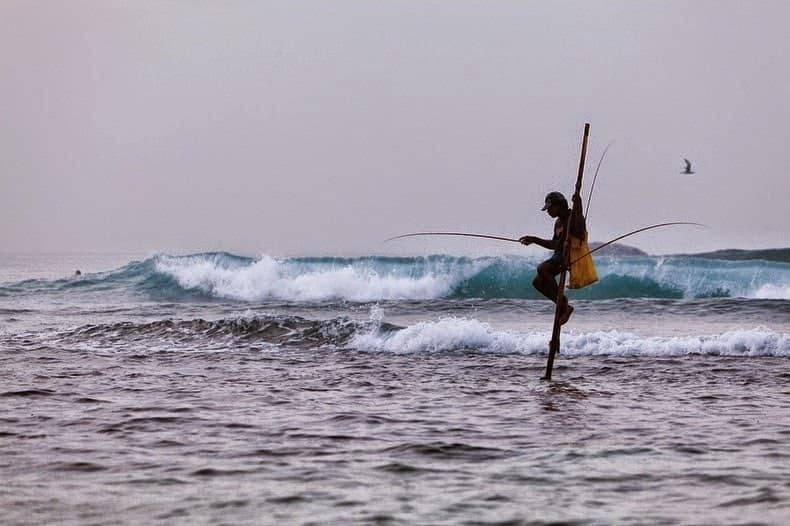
(545, 283)
(544, 280)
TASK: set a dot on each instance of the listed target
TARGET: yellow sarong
(582, 271)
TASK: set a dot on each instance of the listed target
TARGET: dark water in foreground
(120, 406)
(297, 437)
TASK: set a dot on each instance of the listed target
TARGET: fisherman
(557, 207)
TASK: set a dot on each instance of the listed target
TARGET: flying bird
(688, 170)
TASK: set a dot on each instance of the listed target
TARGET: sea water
(221, 389)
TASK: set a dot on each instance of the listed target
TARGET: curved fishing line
(465, 234)
(596, 249)
(595, 178)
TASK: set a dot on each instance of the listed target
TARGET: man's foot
(566, 314)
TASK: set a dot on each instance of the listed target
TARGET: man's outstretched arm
(545, 243)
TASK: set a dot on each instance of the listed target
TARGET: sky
(324, 127)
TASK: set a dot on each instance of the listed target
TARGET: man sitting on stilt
(557, 207)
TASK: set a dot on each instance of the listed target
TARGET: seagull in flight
(688, 170)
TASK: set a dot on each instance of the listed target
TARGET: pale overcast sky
(323, 127)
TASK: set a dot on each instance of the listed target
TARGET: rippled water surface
(307, 436)
(123, 404)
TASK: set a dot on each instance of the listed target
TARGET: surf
(454, 334)
(227, 277)
(270, 333)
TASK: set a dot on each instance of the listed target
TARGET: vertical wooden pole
(554, 344)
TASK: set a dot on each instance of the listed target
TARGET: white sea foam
(772, 292)
(269, 278)
(450, 334)
(370, 279)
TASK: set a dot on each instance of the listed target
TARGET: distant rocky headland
(732, 254)
(617, 249)
(736, 254)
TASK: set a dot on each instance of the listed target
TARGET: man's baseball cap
(554, 197)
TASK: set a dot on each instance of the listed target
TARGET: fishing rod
(465, 234)
(510, 239)
(599, 247)
(500, 238)
(595, 178)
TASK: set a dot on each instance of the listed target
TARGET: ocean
(216, 388)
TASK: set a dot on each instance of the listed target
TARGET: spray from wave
(452, 334)
(446, 335)
(363, 279)
(433, 277)
(226, 277)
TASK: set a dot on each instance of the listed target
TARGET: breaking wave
(227, 277)
(445, 335)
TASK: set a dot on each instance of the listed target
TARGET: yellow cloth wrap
(582, 271)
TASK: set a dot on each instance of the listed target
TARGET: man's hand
(526, 240)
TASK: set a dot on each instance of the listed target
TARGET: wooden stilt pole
(554, 344)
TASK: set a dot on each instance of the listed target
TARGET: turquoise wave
(228, 277)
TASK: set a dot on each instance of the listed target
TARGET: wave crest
(221, 276)
(446, 335)
(453, 334)
(363, 279)
(433, 277)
